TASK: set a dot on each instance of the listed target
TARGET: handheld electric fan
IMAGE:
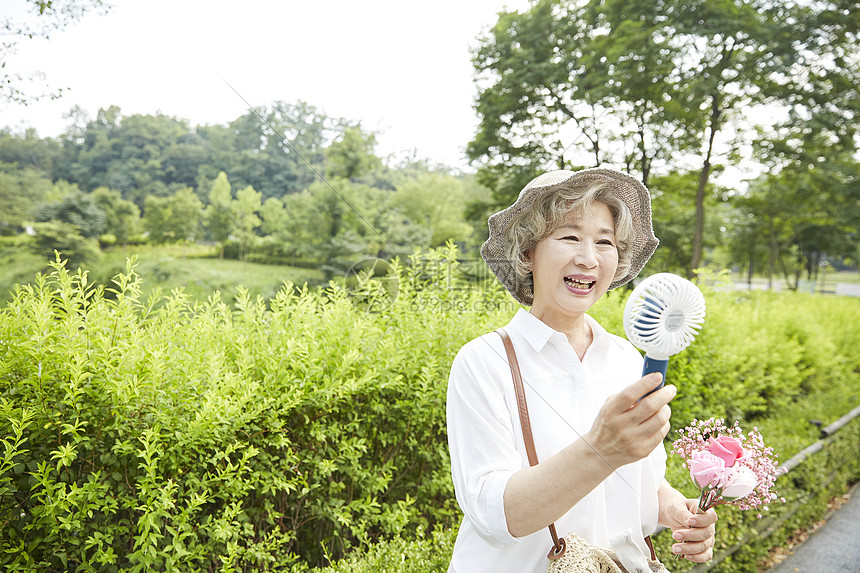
(662, 316)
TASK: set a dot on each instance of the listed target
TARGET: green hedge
(144, 434)
(773, 361)
(743, 540)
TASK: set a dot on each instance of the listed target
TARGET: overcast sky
(401, 67)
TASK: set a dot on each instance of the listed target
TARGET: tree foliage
(436, 202)
(655, 86)
(122, 217)
(21, 192)
(562, 84)
(42, 18)
(174, 218)
(59, 238)
(797, 239)
(351, 154)
(219, 215)
(77, 209)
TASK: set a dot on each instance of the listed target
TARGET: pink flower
(728, 448)
(705, 468)
(749, 468)
(738, 482)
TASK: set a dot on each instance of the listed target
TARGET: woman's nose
(585, 255)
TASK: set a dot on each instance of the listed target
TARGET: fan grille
(664, 314)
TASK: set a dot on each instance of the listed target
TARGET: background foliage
(282, 427)
(180, 434)
(675, 93)
(677, 86)
(132, 180)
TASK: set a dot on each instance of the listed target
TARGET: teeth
(578, 284)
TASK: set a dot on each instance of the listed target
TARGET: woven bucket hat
(630, 190)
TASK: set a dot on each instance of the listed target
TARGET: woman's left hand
(693, 531)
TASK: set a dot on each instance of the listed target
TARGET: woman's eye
(605, 242)
(570, 238)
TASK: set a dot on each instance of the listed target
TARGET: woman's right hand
(627, 429)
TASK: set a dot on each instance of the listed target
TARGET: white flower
(738, 482)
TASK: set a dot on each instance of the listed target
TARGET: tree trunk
(774, 254)
(699, 232)
(787, 276)
(750, 271)
(643, 153)
(698, 237)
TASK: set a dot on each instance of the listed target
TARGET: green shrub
(183, 435)
(167, 433)
(423, 554)
(774, 361)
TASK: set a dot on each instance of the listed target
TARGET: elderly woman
(568, 238)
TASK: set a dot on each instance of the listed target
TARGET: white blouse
(564, 396)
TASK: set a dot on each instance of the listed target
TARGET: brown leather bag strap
(558, 545)
(651, 547)
(522, 405)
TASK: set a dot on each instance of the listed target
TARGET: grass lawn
(192, 267)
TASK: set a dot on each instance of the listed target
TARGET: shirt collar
(537, 333)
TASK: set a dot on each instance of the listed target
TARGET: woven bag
(581, 556)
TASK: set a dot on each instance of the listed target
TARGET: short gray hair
(548, 213)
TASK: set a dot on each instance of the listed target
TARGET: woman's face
(575, 264)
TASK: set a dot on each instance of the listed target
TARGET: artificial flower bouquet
(727, 466)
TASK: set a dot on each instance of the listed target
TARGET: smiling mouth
(578, 284)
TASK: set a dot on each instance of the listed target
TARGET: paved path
(834, 547)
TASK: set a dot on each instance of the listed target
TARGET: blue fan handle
(655, 365)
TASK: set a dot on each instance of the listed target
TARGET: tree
(275, 242)
(122, 217)
(27, 150)
(810, 199)
(186, 209)
(632, 66)
(736, 56)
(275, 149)
(156, 218)
(220, 217)
(566, 85)
(437, 202)
(273, 215)
(641, 75)
(247, 206)
(65, 238)
(77, 209)
(44, 18)
(744, 243)
(805, 214)
(337, 222)
(137, 155)
(673, 201)
(341, 217)
(21, 190)
(302, 234)
(351, 154)
(174, 218)
(525, 66)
